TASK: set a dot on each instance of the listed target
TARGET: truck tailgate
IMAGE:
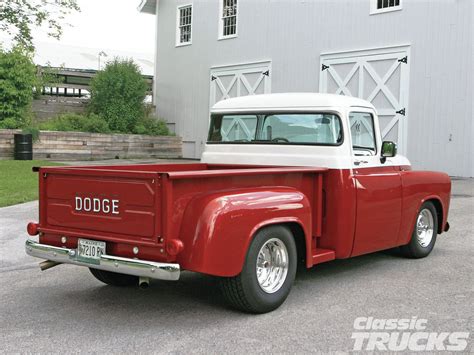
(125, 204)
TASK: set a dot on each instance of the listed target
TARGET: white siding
(293, 34)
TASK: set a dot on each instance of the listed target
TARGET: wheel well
(439, 213)
(299, 236)
(300, 240)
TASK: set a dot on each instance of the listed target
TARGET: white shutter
(379, 76)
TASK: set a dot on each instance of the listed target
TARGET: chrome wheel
(424, 227)
(272, 265)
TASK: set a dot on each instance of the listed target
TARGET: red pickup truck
(284, 179)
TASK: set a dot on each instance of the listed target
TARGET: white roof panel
(289, 101)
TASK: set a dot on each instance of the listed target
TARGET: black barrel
(23, 146)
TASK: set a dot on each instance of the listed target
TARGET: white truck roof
(288, 101)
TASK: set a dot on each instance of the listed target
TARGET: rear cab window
(276, 128)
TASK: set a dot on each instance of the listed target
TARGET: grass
(18, 183)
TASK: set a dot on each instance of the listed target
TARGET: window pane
(229, 17)
(231, 128)
(308, 128)
(185, 16)
(382, 4)
(362, 132)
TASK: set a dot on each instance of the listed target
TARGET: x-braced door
(380, 76)
(235, 81)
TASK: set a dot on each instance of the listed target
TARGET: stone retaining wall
(94, 146)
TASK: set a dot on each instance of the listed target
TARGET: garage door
(379, 76)
(235, 81)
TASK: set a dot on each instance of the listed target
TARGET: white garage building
(413, 59)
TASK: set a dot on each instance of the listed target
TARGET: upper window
(362, 133)
(283, 128)
(381, 6)
(228, 19)
(184, 25)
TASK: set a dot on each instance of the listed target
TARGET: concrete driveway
(65, 309)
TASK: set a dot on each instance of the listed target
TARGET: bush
(95, 124)
(152, 126)
(34, 131)
(117, 95)
(9, 123)
(64, 122)
(17, 79)
(76, 122)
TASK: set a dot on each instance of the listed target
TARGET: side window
(227, 19)
(363, 133)
(184, 25)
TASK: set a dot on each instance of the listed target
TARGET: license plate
(89, 251)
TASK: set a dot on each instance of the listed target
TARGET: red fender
(417, 188)
(217, 228)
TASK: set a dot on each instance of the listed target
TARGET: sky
(107, 24)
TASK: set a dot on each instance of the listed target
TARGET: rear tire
(114, 279)
(424, 234)
(267, 275)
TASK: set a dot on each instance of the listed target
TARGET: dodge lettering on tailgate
(283, 178)
(97, 205)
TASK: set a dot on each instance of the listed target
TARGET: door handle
(358, 162)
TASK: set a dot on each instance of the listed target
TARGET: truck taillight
(174, 247)
(32, 228)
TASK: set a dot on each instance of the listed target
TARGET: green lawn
(17, 182)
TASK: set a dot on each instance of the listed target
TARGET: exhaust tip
(143, 283)
(47, 264)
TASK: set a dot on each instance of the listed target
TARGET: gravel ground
(65, 310)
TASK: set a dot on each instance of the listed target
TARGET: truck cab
(283, 178)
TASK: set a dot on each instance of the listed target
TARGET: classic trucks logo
(96, 205)
(374, 334)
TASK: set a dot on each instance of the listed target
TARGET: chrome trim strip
(143, 268)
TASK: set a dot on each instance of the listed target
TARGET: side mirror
(389, 150)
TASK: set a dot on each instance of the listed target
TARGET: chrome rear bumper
(143, 268)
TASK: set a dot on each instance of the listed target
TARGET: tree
(18, 17)
(117, 95)
(17, 79)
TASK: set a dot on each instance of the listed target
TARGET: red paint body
(204, 216)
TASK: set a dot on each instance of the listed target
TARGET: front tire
(424, 234)
(268, 272)
(114, 278)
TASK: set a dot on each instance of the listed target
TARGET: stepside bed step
(323, 255)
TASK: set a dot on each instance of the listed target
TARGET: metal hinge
(404, 59)
(267, 73)
(401, 112)
(324, 67)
